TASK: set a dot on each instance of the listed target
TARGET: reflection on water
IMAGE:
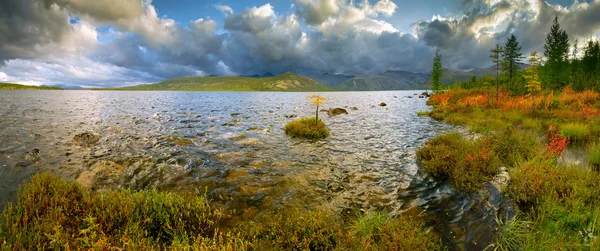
(232, 146)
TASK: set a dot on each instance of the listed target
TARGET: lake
(231, 147)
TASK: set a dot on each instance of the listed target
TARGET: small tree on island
(316, 100)
(532, 77)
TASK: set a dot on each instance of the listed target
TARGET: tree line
(561, 65)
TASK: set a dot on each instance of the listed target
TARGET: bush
(574, 131)
(307, 128)
(467, 163)
(512, 146)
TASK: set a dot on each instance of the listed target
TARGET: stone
(33, 155)
(383, 104)
(336, 111)
(85, 139)
(101, 170)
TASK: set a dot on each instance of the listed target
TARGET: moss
(307, 128)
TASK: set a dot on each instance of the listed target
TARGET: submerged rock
(291, 116)
(179, 141)
(336, 111)
(103, 171)
(383, 104)
(33, 155)
(85, 139)
(354, 108)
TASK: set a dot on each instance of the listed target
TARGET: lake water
(231, 146)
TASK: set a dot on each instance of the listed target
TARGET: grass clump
(51, 213)
(308, 128)
(466, 163)
(510, 234)
(594, 156)
(575, 132)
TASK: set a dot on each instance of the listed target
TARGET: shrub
(307, 128)
(574, 131)
(512, 146)
(467, 163)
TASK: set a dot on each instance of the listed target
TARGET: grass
(53, 214)
(560, 200)
(576, 132)
(8, 86)
(511, 233)
(307, 128)
(468, 164)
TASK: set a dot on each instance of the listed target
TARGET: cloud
(67, 42)
(466, 40)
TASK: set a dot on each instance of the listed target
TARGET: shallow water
(231, 146)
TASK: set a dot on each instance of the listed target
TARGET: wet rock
(179, 141)
(336, 111)
(103, 171)
(501, 179)
(291, 116)
(425, 94)
(33, 155)
(421, 96)
(85, 139)
(354, 108)
(324, 110)
(235, 114)
(383, 104)
(409, 96)
(250, 142)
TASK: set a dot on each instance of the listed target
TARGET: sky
(111, 43)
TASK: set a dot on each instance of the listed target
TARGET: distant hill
(289, 81)
(8, 86)
(331, 80)
(389, 80)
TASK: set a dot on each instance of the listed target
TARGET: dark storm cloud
(466, 40)
(39, 44)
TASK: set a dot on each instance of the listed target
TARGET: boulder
(336, 111)
(85, 139)
(383, 104)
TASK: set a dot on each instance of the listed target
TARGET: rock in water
(85, 139)
(354, 108)
(383, 104)
(103, 171)
(336, 111)
(33, 155)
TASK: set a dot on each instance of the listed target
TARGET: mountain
(289, 81)
(266, 75)
(66, 87)
(331, 80)
(389, 80)
(9, 86)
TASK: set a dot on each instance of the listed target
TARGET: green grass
(423, 113)
(8, 86)
(468, 164)
(53, 214)
(307, 128)
(511, 234)
(594, 155)
(285, 82)
(576, 132)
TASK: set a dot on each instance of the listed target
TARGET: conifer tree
(556, 51)
(437, 72)
(532, 76)
(512, 57)
(496, 58)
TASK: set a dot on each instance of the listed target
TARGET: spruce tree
(556, 51)
(512, 57)
(496, 58)
(437, 72)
